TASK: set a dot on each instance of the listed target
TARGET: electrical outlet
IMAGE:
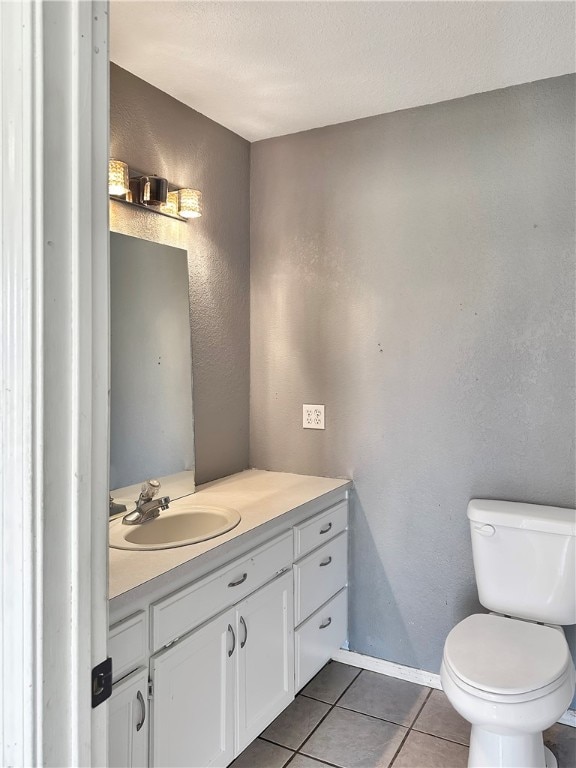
(313, 417)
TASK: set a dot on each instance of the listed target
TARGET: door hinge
(101, 682)
(150, 688)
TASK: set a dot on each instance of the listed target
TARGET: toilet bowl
(511, 679)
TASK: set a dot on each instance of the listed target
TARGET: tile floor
(350, 718)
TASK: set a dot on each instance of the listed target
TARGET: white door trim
(19, 509)
(54, 368)
(412, 675)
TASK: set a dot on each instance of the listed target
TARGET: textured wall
(157, 134)
(415, 273)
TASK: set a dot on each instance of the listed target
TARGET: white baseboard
(388, 668)
(419, 676)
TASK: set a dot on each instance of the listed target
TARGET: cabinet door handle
(326, 562)
(233, 640)
(326, 528)
(143, 710)
(243, 643)
(239, 581)
(326, 623)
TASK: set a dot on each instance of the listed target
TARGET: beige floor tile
(301, 761)
(352, 740)
(423, 751)
(262, 754)
(439, 718)
(331, 682)
(386, 697)
(296, 723)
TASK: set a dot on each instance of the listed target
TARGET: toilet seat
(506, 698)
(503, 659)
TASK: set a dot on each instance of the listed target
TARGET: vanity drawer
(319, 637)
(188, 608)
(319, 576)
(314, 532)
(128, 644)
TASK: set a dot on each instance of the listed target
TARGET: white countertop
(258, 495)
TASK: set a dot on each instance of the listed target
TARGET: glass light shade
(171, 205)
(118, 181)
(189, 203)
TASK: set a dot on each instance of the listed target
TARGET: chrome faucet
(147, 507)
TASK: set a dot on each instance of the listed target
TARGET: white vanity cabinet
(221, 656)
(216, 689)
(128, 719)
(193, 697)
(320, 590)
(128, 711)
(265, 659)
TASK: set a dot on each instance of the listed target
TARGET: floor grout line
(290, 759)
(319, 723)
(391, 763)
(287, 763)
(276, 743)
(332, 706)
(317, 759)
(408, 730)
(442, 738)
(336, 705)
(375, 717)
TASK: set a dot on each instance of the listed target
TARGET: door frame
(55, 379)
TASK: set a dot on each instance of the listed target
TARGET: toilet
(510, 672)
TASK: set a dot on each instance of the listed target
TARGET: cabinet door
(265, 664)
(193, 701)
(128, 722)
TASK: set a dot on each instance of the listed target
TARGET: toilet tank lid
(531, 517)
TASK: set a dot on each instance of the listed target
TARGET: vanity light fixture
(170, 207)
(118, 178)
(189, 203)
(152, 192)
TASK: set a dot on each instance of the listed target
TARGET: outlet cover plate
(313, 416)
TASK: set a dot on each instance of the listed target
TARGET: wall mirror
(151, 418)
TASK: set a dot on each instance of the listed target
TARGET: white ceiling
(269, 68)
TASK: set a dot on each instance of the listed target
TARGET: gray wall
(155, 133)
(415, 272)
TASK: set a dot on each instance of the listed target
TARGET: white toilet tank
(525, 559)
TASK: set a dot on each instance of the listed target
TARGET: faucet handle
(149, 489)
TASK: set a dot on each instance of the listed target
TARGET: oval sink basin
(182, 524)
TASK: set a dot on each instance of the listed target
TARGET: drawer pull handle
(326, 562)
(243, 643)
(233, 640)
(326, 623)
(241, 580)
(143, 710)
(326, 528)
